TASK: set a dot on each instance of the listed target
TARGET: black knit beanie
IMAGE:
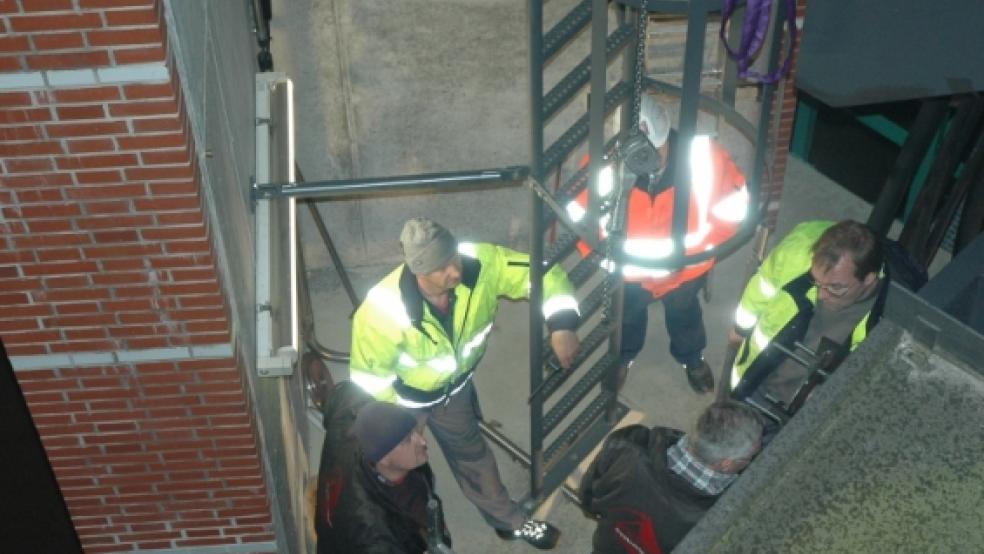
(380, 427)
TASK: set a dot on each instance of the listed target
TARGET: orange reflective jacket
(718, 204)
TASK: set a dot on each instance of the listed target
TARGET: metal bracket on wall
(277, 333)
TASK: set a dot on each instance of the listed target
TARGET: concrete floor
(379, 91)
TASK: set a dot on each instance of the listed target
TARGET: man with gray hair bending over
(648, 487)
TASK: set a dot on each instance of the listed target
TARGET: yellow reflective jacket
(401, 353)
(774, 295)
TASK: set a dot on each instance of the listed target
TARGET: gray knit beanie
(380, 427)
(427, 246)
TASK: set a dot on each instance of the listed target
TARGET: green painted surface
(803, 129)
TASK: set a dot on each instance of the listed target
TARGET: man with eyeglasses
(823, 284)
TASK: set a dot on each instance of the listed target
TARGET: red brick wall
(156, 455)
(104, 227)
(53, 34)
(111, 305)
(783, 111)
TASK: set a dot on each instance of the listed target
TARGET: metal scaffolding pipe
(401, 183)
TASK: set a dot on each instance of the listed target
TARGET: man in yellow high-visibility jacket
(823, 280)
(419, 334)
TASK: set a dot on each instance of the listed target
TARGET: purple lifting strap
(753, 31)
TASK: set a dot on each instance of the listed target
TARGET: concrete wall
(390, 88)
(214, 51)
(216, 57)
(395, 88)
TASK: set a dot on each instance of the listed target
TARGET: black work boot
(540, 534)
(700, 377)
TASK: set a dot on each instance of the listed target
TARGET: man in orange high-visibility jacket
(718, 205)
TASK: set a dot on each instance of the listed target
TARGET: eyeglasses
(836, 290)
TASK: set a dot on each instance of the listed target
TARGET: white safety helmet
(654, 121)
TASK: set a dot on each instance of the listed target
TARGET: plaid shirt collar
(694, 472)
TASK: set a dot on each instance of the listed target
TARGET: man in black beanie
(374, 484)
(419, 335)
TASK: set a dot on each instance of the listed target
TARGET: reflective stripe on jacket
(400, 351)
(769, 302)
(718, 205)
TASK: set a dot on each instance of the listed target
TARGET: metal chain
(640, 63)
(610, 282)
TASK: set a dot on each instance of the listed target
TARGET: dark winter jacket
(354, 515)
(641, 505)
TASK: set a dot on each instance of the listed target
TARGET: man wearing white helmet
(718, 204)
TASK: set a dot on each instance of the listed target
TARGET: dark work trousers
(455, 427)
(684, 321)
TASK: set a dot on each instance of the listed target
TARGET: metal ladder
(572, 410)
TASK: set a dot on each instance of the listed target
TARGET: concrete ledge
(80, 359)
(249, 548)
(73, 78)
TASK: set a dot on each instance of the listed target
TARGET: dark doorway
(851, 149)
(33, 514)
